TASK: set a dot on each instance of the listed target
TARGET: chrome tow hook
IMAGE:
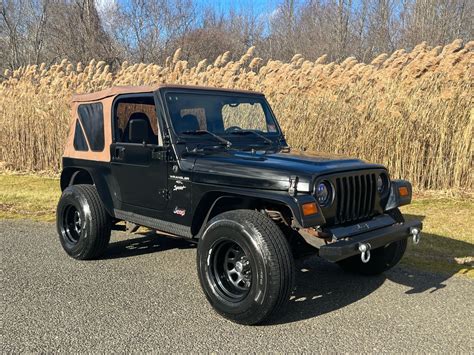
(416, 235)
(364, 249)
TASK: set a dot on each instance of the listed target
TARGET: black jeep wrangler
(212, 165)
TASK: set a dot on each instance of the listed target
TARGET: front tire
(83, 224)
(245, 266)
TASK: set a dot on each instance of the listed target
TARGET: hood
(271, 170)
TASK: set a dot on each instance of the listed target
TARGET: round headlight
(382, 183)
(323, 193)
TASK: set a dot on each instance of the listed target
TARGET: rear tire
(245, 266)
(82, 222)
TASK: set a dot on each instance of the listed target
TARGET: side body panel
(184, 198)
(103, 156)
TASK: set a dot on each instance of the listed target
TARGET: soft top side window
(136, 109)
(80, 143)
(92, 120)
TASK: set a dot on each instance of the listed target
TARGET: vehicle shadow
(145, 243)
(322, 287)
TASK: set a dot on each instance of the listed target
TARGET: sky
(259, 7)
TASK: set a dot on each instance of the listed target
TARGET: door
(138, 158)
(141, 174)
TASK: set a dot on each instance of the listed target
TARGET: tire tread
(100, 223)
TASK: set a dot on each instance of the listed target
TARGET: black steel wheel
(82, 222)
(72, 222)
(231, 270)
(245, 266)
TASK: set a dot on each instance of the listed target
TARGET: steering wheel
(232, 129)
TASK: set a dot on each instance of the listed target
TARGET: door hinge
(159, 154)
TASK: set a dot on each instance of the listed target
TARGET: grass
(447, 244)
(26, 196)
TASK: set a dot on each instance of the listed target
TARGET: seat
(118, 131)
(149, 138)
(186, 123)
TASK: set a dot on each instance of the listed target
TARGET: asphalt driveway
(144, 295)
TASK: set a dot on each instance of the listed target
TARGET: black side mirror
(138, 131)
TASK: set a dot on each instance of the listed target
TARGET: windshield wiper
(203, 131)
(247, 131)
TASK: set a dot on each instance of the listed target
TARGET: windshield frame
(274, 136)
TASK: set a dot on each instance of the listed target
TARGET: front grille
(355, 197)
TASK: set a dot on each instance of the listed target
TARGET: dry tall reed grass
(412, 111)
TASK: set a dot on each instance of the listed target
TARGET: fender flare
(293, 203)
(99, 180)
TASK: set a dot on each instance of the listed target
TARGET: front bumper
(377, 238)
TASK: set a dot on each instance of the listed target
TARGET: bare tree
(437, 22)
(75, 32)
(35, 31)
(283, 38)
(23, 31)
(381, 32)
(218, 33)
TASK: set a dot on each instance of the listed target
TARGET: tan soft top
(106, 97)
(118, 90)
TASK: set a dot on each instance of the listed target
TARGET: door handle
(119, 153)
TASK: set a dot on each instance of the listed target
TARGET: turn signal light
(310, 208)
(403, 191)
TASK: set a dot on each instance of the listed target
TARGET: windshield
(232, 116)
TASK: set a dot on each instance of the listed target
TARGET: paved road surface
(145, 295)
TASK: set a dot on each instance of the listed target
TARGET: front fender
(293, 203)
(395, 198)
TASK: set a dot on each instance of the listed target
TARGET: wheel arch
(75, 176)
(79, 175)
(214, 203)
